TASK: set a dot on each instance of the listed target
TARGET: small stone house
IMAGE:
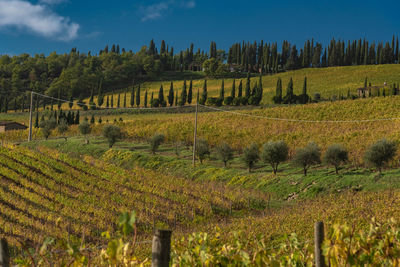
(10, 126)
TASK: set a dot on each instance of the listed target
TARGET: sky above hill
(43, 26)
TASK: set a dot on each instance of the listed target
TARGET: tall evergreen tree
(108, 102)
(190, 93)
(132, 102)
(161, 94)
(233, 91)
(125, 99)
(204, 95)
(112, 99)
(222, 90)
(138, 96)
(278, 92)
(289, 97)
(247, 91)
(152, 99)
(171, 95)
(145, 99)
(36, 125)
(183, 95)
(118, 100)
(176, 98)
(240, 89)
(100, 96)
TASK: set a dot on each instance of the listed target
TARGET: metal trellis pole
(30, 118)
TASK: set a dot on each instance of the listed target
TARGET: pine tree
(190, 93)
(233, 91)
(240, 89)
(145, 99)
(183, 95)
(132, 97)
(138, 96)
(222, 90)
(204, 95)
(171, 95)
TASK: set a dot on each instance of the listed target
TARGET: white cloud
(37, 18)
(52, 2)
(156, 11)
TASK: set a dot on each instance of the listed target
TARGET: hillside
(326, 81)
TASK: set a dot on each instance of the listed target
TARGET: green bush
(228, 100)
(335, 155)
(85, 129)
(47, 126)
(251, 156)
(112, 133)
(380, 153)
(307, 156)
(237, 101)
(155, 142)
(63, 127)
(274, 153)
(214, 101)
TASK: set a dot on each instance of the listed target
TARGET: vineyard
(42, 189)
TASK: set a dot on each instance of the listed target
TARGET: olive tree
(155, 142)
(202, 149)
(380, 153)
(274, 153)
(47, 126)
(63, 128)
(85, 129)
(112, 133)
(307, 156)
(251, 156)
(225, 153)
(336, 155)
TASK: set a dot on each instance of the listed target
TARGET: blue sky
(43, 26)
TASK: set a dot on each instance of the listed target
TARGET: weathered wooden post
(161, 249)
(4, 254)
(319, 238)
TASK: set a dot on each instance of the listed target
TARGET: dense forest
(78, 75)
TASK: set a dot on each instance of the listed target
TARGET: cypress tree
(247, 91)
(108, 102)
(190, 93)
(77, 118)
(125, 99)
(204, 95)
(36, 125)
(176, 98)
(91, 96)
(138, 96)
(222, 90)
(132, 97)
(240, 89)
(233, 91)
(161, 95)
(305, 86)
(183, 95)
(366, 82)
(92, 120)
(118, 100)
(112, 99)
(260, 90)
(289, 97)
(171, 95)
(100, 96)
(145, 99)
(151, 99)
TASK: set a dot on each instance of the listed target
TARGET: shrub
(85, 129)
(155, 103)
(307, 156)
(317, 97)
(112, 133)
(214, 101)
(155, 142)
(380, 153)
(335, 155)
(237, 101)
(225, 153)
(228, 100)
(202, 149)
(251, 156)
(274, 153)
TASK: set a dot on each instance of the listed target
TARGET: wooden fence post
(318, 239)
(161, 249)
(4, 254)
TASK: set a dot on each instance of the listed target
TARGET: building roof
(3, 123)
